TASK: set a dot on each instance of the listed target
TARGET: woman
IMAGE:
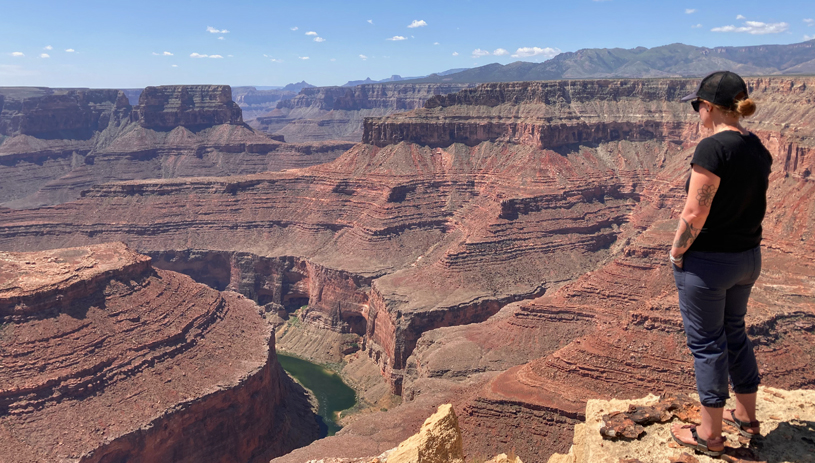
(716, 259)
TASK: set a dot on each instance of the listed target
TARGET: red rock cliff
(105, 358)
(170, 106)
(451, 234)
(56, 143)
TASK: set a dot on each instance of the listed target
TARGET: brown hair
(744, 107)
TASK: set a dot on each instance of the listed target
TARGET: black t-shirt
(743, 165)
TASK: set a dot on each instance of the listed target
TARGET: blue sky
(328, 42)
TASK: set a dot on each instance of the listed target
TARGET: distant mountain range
(675, 60)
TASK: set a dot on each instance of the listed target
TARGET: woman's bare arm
(703, 187)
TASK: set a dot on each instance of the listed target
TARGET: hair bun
(745, 107)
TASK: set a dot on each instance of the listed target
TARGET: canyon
(501, 248)
(105, 358)
(55, 143)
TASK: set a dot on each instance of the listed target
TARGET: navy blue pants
(713, 291)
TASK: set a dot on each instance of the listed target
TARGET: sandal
(701, 445)
(741, 425)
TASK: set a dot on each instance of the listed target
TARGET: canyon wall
(335, 299)
(168, 107)
(56, 143)
(504, 246)
(337, 113)
(48, 113)
(106, 358)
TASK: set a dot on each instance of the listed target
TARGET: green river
(332, 394)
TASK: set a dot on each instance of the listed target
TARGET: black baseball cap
(721, 88)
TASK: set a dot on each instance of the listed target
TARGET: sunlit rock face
(106, 358)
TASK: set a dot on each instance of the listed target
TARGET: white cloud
(370, 21)
(500, 52)
(70, 50)
(49, 47)
(435, 43)
(755, 28)
(478, 53)
(455, 53)
(212, 30)
(809, 21)
(417, 23)
(45, 55)
(276, 60)
(740, 17)
(363, 57)
(221, 38)
(526, 52)
(198, 55)
(295, 28)
(174, 65)
(698, 26)
(230, 56)
(17, 53)
(319, 39)
(809, 37)
(303, 57)
(166, 53)
(690, 10)
(397, 38)
(311, 33)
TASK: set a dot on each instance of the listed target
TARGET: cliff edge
(787, 426)
(104, 358)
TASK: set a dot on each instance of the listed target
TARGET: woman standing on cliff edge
(716, 259)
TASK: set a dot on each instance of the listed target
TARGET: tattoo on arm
(705, 195)
(687, 236)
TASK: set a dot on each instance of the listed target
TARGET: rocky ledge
(786, 418)
(104, 358)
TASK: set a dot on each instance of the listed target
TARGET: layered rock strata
(105, 358)
(168, 107)
(337, 113)
(448, 235)
(56, 143)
